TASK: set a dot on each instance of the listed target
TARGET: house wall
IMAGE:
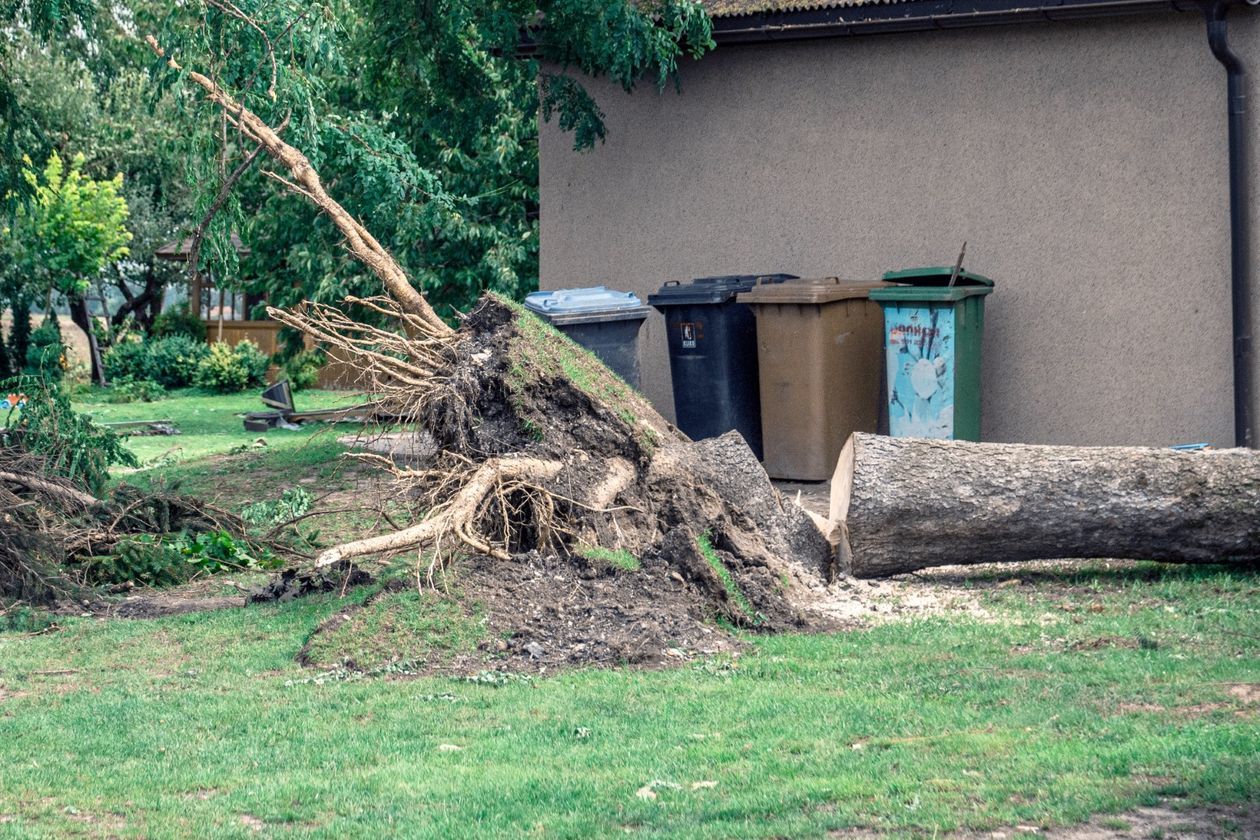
(1084, 163)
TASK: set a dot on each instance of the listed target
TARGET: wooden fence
(336, 372)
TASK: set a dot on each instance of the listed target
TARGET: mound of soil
(534, 614)
(596, 533)
(539, 611)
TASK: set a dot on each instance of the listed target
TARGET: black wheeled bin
(602, 320)
(713, 355)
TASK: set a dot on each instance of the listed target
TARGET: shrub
(71, 445)
(136, 390)
(255, 361)
(126, 361)
(173, 361)
(230, 369)
(179, 320)
(302, 369)
(46, 355)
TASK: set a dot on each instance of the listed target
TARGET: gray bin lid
(715, 290)
(589, 305)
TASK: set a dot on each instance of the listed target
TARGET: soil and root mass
(556, 497)
(528, 447)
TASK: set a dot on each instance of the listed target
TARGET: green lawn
(1091, 690)
(204, 725)
(213, 446)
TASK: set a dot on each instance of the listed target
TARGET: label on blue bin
(919, 343)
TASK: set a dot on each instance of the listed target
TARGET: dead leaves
(648, 791)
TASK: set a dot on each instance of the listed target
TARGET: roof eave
(923, 15)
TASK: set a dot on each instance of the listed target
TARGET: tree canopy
(70, 229)
(422, 117)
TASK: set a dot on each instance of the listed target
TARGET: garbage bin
(602, 320)
(932, 331)
(819, 347)
(712, 342)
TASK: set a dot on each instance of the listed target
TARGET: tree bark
(83, 320)
(143, 307)
(19, 332)
(901, 504)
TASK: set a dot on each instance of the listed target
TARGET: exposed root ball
(542, 449)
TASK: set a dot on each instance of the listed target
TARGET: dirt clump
(586, 527)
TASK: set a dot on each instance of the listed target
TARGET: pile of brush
(51, 530)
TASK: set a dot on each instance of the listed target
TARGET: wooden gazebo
(227, 318)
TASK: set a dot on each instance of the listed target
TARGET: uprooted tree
(529, 442)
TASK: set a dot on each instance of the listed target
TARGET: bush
(126, 361)
(179, 320)
(136, 390)
(173, 361)
(302, 369)
(227, 370)
(71, 445)
(255, 361)
(46, 355)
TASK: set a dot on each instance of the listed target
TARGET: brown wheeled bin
(820, 354)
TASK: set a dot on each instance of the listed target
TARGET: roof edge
(926, 15)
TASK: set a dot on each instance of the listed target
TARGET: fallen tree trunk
(901, 504)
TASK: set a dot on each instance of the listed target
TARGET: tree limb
(50, 488)
(361, 243)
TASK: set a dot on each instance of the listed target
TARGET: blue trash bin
(602, 320)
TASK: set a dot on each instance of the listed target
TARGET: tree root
(491, 484)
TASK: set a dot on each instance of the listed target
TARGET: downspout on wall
(1239, 223)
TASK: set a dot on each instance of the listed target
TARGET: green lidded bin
(932, 333)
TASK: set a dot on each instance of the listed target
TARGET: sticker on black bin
(691, 330)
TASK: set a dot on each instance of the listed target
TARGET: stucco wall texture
(1084, 163)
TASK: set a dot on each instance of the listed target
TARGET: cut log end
(901, 504)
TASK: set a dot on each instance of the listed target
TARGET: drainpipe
(1239, 227)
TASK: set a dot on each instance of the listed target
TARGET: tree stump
(901, 504)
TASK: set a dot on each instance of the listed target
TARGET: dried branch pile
(50, 529)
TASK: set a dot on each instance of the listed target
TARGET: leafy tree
(423, 116)
(61, 239)
(89, 91)
(42, 21)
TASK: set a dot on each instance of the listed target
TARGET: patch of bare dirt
(545, 613)
(854, 603)
(203, 595)
(556, 613)
(1165, 822)
(1168, 821)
